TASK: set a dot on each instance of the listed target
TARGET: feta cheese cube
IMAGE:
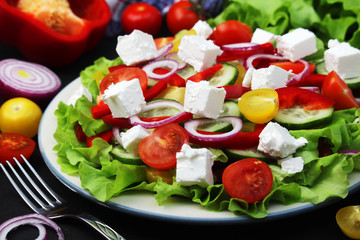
(261, 36)
(277, 141)
(203, 29)
(193, 166)
(203, 100)
(272, 77)
(343, 59)
(297, 44)
(130, 140)
(198, 52)
(124, 98)
(136, 47)
(291, 165)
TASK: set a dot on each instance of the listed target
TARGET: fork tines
(30, 189)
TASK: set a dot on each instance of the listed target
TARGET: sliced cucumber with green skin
(187, 72)
(235, 154)
(119, 153)
(352, 83)
(227, 75)
(298, 118)
(229, 108)
(163, 111)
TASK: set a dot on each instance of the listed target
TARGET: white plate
(144, 203)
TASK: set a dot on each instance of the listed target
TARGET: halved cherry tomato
(158, 150)
(296, 67)
(231, 31)
(13, 145)
(259, 105)
(124, 74)
(249, 179)
(161, 42)
(336, 89)
(309, 100)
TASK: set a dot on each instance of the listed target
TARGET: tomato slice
(13, 145)
(124, 74)
(309, 100)
(336, 89)
(249, 179)
(158, 150)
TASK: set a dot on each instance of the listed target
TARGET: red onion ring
(314, 89)
(241, 46)
(350, 152)
(191, 126)
(116, 133)
(304, 73)
(174, 56)
(150, 67)
(33, 219)
(249, 61)
(135, 120)
(164, 50)
(26, 79)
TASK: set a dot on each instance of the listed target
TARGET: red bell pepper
(206, 73)
(39, 43)
(231, 55)
(234, 91)
(100, 110)
(106, 136)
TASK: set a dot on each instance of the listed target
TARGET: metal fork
(52, 206)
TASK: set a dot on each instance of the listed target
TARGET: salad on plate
(234, 126)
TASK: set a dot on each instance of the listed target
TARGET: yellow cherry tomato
(348, 219)
(260, 105)
(20, 115)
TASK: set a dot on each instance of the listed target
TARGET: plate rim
(243, 219)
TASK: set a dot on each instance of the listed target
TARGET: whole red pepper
(39, 43)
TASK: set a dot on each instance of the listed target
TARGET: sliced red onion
(34, 219)
(174, 56)
(304, 73)
(249, 61)
(350, 152)
(116, 133)
(135, 120)
(150, 67)
(314, 89)
(241, 46)
(164, 50)
(193, 124)
(358, 100)
(26, 79)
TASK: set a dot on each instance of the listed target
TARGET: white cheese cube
(130, 140)
(203, 29)
(136, 47)
(198, 52)
(193, 166)
(272, 77)
(277, 141)
(261, 36)
(203, 100)
(343, 59)
(297, 44)
(291, 165)
(124, 98)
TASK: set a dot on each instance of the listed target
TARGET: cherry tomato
(141, 16)
(348, 220)
(259, 105)
(231, 31)
(13, 145)
(158, 150)
(20, 115)
(336, 89)
(124, 74)
(249, 179)
(180, 17)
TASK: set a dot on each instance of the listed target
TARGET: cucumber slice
(230, 108)
(227, 75)
(298, 118)
(119, 153)
(164, 111)
(235, 155)
(187, 72)
(320, 68)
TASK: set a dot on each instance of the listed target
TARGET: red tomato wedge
(13, 145)
(124, 74)
(249, 179)
(158, 150)
(310, 100)
(336, 89)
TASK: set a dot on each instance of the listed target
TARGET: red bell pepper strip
(106, 136)
(231, 55)
(155, 90)
(173, 80)
(206, 73)
(100, 110)
(39, 43)
(311, 80)
(234, 91)
(79, 133)
(296, 67)
(243, 140)
(117, 122)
